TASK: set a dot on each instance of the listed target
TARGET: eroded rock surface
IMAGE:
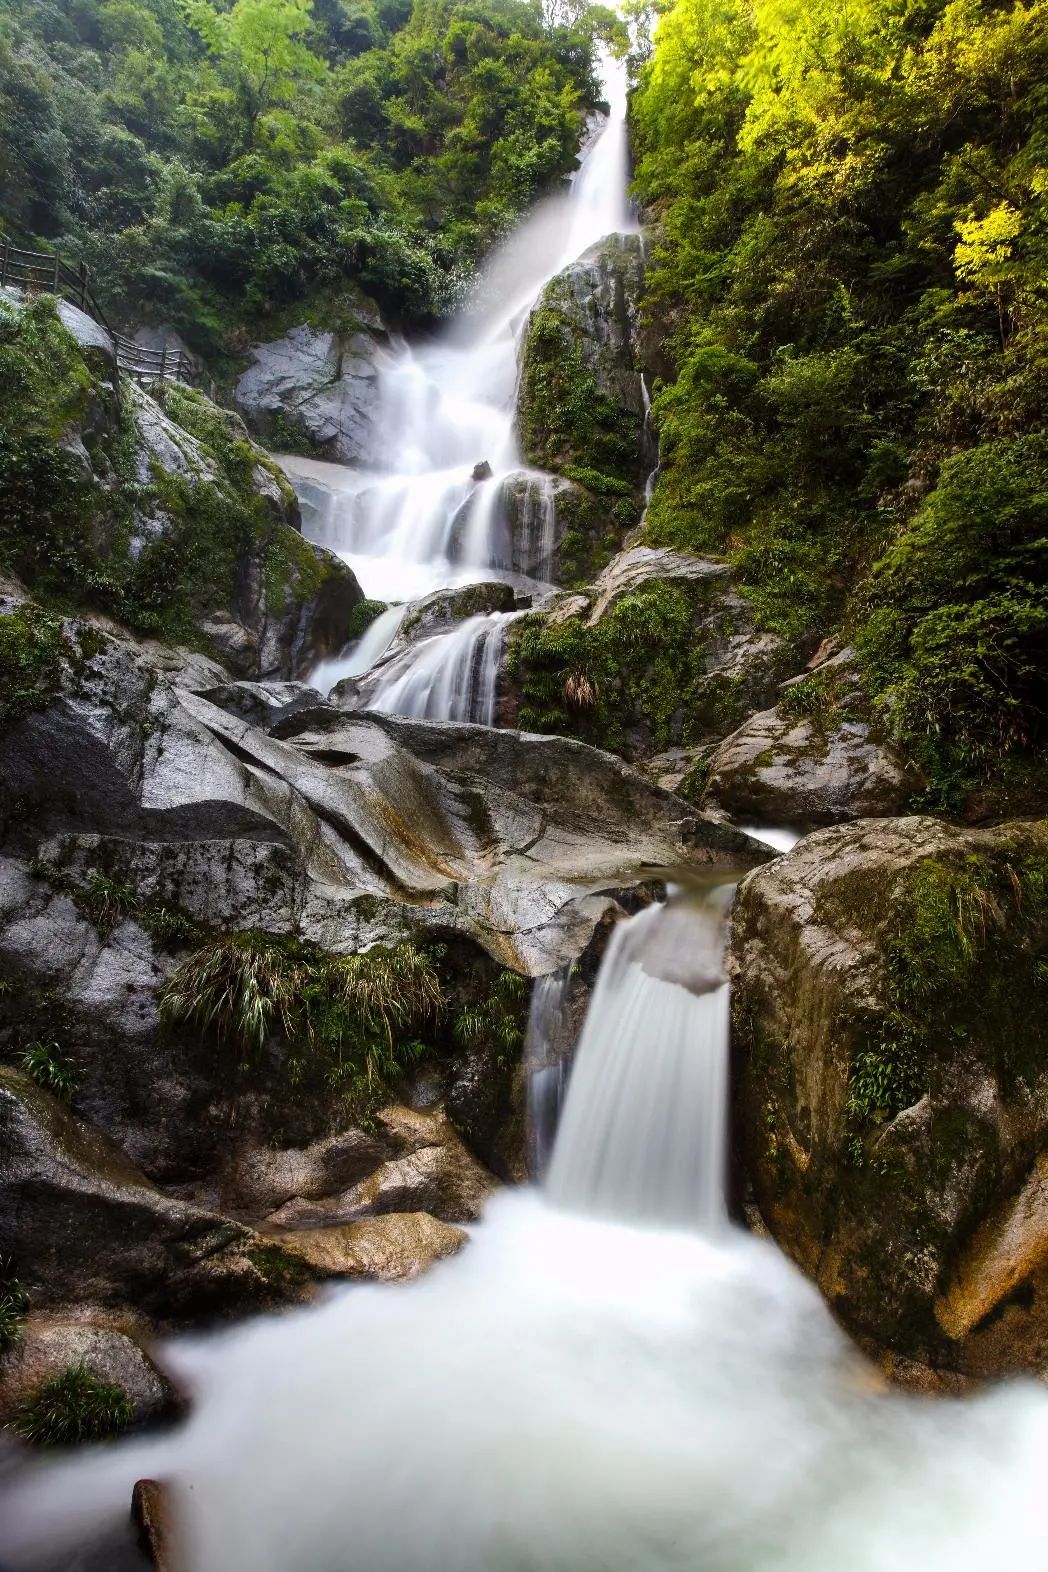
(319, 388)
(388, 1248)
(892, 1083)
(815, 758)
(50, 1345)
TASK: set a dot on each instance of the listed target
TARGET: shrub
(14, 1302)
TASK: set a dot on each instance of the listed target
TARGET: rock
(433, 1172)
(152, 1515)
(388, 1248)
(674, 653)
(50, 1345)
(85, 1226)
(892, 1106)
(559, 531)
(813, 759)
(482, 471)
(580, 396)
(440, 611)
(319, 388)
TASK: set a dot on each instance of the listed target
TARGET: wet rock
(579, 353)
(388, 1248)
(482, 471)
(558, 531)
(50, 1345)
(719, 665)
(319, 388)
(892, 1090)
(153, 1518)
(431, 1172)
(440, 611)
(86, 1226)
(814, 759)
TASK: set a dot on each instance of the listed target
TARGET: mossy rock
(892, 979)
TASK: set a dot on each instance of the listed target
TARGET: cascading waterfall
(421, 521)
(575, 1393)
(361, 655)
(545, 1065)
(451, 676)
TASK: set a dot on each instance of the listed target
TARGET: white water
(451, 676)
(573, 1394)
(362, 655)
(419, 521)
(545, 1065)
(642, 1135)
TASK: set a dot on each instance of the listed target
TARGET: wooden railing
(40, 273)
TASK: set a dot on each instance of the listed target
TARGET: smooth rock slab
(389, 1248)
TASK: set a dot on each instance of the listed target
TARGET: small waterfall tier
(451, 676)
(642, 1134)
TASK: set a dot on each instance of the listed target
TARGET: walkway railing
(39, 273)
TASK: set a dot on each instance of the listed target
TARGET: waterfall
(360, 656)
(545, 1065)
(451, 676)
(642, 1134)
(420, 519)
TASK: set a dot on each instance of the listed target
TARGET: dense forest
(850, 236)
(215, 164)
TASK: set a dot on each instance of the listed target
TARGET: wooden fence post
(4, 255)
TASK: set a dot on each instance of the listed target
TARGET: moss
(280, 1268)
(566, 420)
(73, 1407)
(638, 668)
(107, 900)
(33, 647)
(965, 938)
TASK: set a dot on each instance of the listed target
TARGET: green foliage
(567, 422)
(848, 274)
(72, 1408)
(353, 1019)
(14, 1301)
(638, 667)
(495, 1019)
(216, 164)
(362, 616)
(32, 647)
(47, 1066)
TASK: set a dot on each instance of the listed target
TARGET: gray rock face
(813, 759)
(558, 531)
(585, 322)
(892, 1089)
(86, 1226)
(322, 386)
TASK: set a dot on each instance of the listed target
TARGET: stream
(613, 1376)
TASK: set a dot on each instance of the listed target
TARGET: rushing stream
(612, 1377)
(575, 1393)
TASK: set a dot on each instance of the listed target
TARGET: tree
(261, 45)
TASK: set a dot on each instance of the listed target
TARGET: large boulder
(429, 1170)
(317, 390)
(49, 1345)
(85, 1226)
(661, 651)
(157, 508)
(892, 1107)
(816, 758)
(581, 395)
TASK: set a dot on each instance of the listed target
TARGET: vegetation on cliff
(848, 273)
(215, 164)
